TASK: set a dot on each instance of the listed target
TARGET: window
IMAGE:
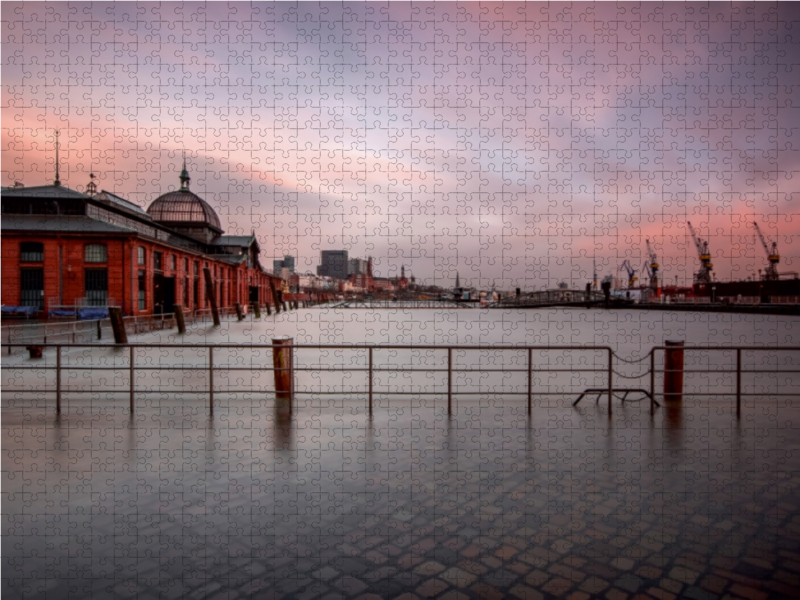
(31, 252)
(158, 261)
(173, 262)
(196, 269)
(140, 255)
(96, 287)
(186, 265)
(32, 288)
(95, 253)
(142, 290)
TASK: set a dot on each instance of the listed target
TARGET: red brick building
(62, 248)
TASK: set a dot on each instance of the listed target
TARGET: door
(163, 294)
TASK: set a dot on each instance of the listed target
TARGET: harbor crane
(704, 274)
(652, 268)
(771, 272)
(632, 279)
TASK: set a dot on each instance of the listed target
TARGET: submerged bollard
(179, 320)
(117, 325)
(673, 371)
(257, 310)
(282, 361)
(239, 313)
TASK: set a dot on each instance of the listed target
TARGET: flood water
(169, 502)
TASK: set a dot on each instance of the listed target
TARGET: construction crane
(632, 279)
(771, 272)
(652, 268)
(704, 274)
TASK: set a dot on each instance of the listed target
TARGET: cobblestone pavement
(413, 504)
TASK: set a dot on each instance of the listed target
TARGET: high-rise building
(333, 263)
(287, 263)
(357, 266)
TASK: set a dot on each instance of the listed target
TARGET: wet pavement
(327, 504)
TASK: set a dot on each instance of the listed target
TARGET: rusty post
(282, 362)
(738, 383)
(58, 380)
(274, 298)
(239, 313)
(211, 381)
(257, 310)
(652, 382)
(610, 379)
(673, 371)
(449, 381)
(370, 382)
(130, 375)
(117, 325)
(530, 382)
(211, 296)
(179, 320)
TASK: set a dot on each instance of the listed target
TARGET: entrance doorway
(163, 294)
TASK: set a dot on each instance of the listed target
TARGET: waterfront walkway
(490, 501)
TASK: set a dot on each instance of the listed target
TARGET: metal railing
(48, 332)
(447, 360)
(210, 367)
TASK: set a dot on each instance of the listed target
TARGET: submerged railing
(143, 370)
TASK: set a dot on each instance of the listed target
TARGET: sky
(518, 144)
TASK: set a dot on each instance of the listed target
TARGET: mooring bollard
(117, 325)
(283, 363)
(179, 320)
(673, 371)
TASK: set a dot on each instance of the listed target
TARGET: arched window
(95, 253)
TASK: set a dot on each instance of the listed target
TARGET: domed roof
(183, 206)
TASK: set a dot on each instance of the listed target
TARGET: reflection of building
(63, 248)
(333, 263)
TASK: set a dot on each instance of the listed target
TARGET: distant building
(287, 263)
(357, 266)
(333, 263)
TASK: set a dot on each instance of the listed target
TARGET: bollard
(118, 325)
(239, 313)
(257, 310)
(211, 296)
(268, 309)
(179, 320)
(282, 361)
(673, 371)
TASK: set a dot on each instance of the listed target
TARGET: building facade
(63, 249)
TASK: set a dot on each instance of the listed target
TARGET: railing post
(530, 377)
(210, 381)
(738, 383)
(652, 381)
(370, 382)
(58, 380)
(610, 377)
(130, 372)
(449, 381)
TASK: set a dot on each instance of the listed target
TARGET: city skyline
(513, 144)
